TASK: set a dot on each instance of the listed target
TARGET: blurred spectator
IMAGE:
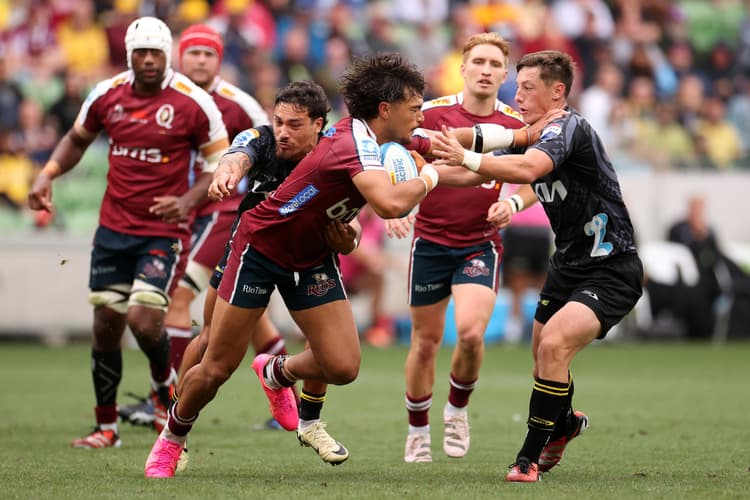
(598, 101)
(738, 114)
(720, 70)
(720, 139)
(694, 232)
(363, 271)
(10, 97)
(712, 21)
(64, 111)
(16, 173)
(31, 46)
(295, 63)
(575, 17)
(84, 42)
(633, 116)
(667, 142)
(35, 135)
(116, 22)
(689, 100)
(380, 34)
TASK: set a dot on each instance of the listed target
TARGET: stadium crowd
(666, 73)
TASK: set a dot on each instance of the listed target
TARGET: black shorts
(526, 249)
(250, 278)
(610, 289)
(118, 258)
(434, 269)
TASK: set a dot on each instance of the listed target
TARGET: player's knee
(470, 339)
(114, 297)
(216, 374)
(196, 277)
(147, 295)
(343, 373)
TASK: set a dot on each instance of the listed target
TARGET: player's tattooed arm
(232, 168)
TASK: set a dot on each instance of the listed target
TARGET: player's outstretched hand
(447, 149)
(222, 185)
(399, 228)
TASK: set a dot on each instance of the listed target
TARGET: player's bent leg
(227, 344)
(568, 331)
(334, 355)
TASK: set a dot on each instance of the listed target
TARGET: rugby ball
(398, 162)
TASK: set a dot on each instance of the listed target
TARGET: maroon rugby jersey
(150, 144)
(456, 217)
(289, 226)
(240, 112)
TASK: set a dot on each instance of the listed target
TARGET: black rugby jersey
(267, 170)
(581, 195)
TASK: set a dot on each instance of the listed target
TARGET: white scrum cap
(148, 33)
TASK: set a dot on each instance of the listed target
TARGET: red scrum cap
(203, 36)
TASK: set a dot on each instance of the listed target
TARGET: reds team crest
(165, 116)
(476, 268)
(322, 284)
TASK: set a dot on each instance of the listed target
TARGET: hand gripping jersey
(455, 217)
(150, 144)
(289, 226)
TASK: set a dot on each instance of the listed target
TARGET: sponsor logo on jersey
(507, 110)
(322, 284)
(550, 132)
(476, 268)
(547, 194)
(369, 152)
(182, 87)
(440, 101)
(226, 92)
(138, 116)
(116, 114)
(148, 155)
(300, 200)
(255, 290)
(243, 138)
(428, 287)
(165, 116)
(590, 294)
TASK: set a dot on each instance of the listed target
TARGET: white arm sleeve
(489, 137)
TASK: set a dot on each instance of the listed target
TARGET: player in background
(456, 251)
(154, 118)
(595, 275)
(281, 243)
(269, 154)
(200, 54)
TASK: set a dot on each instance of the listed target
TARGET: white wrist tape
(490, 136)
(472, 160)
(430, 173)
(516, 203)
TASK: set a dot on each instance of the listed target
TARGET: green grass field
(667, 421)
